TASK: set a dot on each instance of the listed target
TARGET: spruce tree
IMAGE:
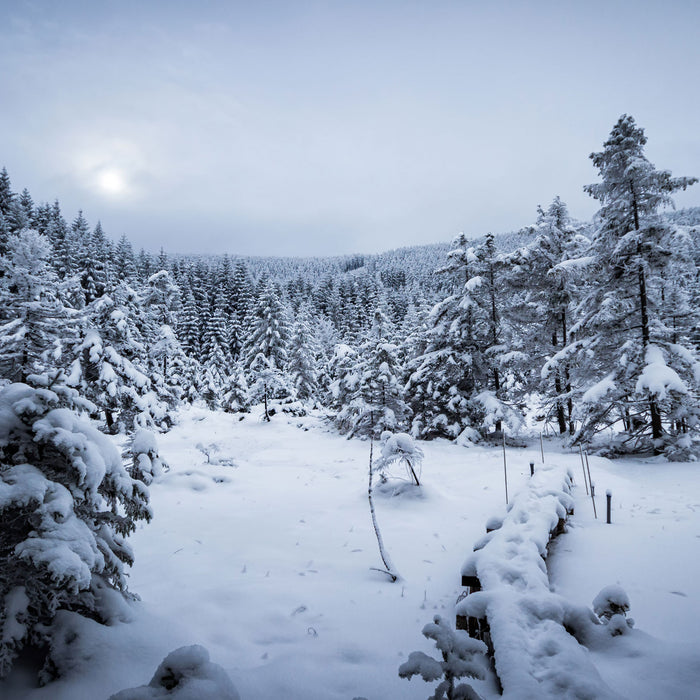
(634, 370)
(67, 507)
(542, 288)
(301, 366)
(35, 323)
(269, 332)
(377, 402)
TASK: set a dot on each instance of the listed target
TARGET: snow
(651, 554)
(185, 674)
(268, 566)
(598, 390)
(657, 377)
(534, 653)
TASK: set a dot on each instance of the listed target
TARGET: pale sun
(111, 182)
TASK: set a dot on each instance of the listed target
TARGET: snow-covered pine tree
(377, 402)
(455, 388)
(325, 340)
(541, 284)
(269, 331)
(462, 657)
(110, 366)
(241, 299)
(343, 372)
(188, 327)
(215, 350)
(58, 234)
(34, 323)
(162, 298)
(125, 261)
(301, 365)
(631, 369)
(234, 392)
(67, 505)
(268, 383)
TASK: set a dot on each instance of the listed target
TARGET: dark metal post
(608, 495)
(532, 468)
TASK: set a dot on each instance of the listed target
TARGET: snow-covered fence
(508, 603)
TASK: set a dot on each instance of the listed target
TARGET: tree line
(593, 325)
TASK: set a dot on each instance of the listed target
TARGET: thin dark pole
(583, 467)
(588, 469)
(505, 468)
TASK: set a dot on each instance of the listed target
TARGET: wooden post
(541, 447)
(588, 470)
(505, 468)
(608, 495)
(583, 468)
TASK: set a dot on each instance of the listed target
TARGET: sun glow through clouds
(111, 182)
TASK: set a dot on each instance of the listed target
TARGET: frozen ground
(265, 559)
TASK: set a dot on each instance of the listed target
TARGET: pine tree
(68, 506)
(124, 261)
(215, 351)
(59, 236)
(188, 328)
(35, 323)
(634, 371)
(241, 299)
(7, 196)
(301, 366)
(110, 366)
(235, 393)
(269, 333)
(377, 402)
(542, 288)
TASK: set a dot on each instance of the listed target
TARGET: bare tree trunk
(388, 566)
(656, 423)
(561, 417)
(494, 336)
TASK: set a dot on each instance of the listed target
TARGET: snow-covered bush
(399, 448)
(147, 463)
(185, 674)
(462, 657)
(67, 505)
(611, 606)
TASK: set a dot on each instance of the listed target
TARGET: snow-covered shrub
(399, 448)
(185, 674)
(611, 606)
(462, 657)
(67, 505)
(147, 463)
(235, 397)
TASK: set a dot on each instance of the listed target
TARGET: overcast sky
(313, 128)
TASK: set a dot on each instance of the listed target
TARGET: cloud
(300, 126)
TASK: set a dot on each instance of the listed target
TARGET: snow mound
(534, 653)
(185, 674)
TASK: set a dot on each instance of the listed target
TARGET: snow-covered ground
(265, 559)
(651, 549)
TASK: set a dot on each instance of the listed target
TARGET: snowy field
(262, 553)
